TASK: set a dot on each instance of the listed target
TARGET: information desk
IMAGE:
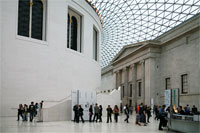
(184, 123)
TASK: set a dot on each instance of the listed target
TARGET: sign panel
(175, 97)
(85, 99)
(167, 98)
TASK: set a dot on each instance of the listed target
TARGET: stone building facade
(143, 71)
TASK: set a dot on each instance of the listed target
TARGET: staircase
(57, 110)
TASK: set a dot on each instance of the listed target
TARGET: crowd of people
(95, 113)
(34, 110)
(143, 114)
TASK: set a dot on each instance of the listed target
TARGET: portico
(131, 68)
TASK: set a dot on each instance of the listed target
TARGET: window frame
(123, 91)
(95, 44)
(130, 89)
(78, 16)
(139, 89)
(168, 84)
(182, 84)
(44, 26)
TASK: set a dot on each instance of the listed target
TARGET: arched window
(31, 18)
(37, 19)
(74, 33)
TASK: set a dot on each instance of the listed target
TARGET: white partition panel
(85, 99)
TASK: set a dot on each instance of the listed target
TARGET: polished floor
(10, 125)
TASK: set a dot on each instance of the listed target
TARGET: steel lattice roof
(130, 21)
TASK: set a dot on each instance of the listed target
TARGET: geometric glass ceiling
(130, 21)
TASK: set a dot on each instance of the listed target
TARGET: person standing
(25, 112)
(109, 114)
(116, 113)
(96, 112)
(75, 109)
(40, 112)
(90, 113)
(161, 117)
(127, 113)
(148, 113)
(20, 112)
(100, 113)
(31, 111)
(80, 110)
(36, 109)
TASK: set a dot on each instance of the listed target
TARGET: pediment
(126, 50)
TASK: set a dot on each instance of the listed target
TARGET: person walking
(20, 112)
(31, 111)
(127, 113)
(100, 113)
(90, 113)
(96, 112)
(142, 114)
(116, 113)
(109, 114)
(80, 110)
(25, 112)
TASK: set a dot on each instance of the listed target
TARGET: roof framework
(130, 21)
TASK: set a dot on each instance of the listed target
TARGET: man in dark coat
(76, 116)
(32, 111)
(109, 114)
(80, 111)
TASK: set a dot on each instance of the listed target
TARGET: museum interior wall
(35, 70)
(170, 61)
(0, 54)
(181, 57)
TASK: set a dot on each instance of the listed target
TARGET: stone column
(117, 79)
(126, 81)
(143, 80)
(134, 84)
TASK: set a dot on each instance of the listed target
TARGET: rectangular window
(74, 29)
(32, 18)
(167, 84)
(95, 44)
(130, 90)
(184, 83)
(123, 91)
(139, 89)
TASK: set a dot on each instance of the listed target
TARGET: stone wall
(182, 57)
(35, 70)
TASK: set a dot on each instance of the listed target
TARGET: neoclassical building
(47, 49)
(143, 71)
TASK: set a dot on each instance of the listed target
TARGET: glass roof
(130, 21)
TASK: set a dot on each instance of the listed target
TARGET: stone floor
(10, 125)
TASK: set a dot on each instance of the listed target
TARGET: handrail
(58, 100)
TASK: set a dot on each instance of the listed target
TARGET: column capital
(142, 61)
(123, 69)
(132, 65)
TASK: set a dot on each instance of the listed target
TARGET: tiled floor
(10, 125)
